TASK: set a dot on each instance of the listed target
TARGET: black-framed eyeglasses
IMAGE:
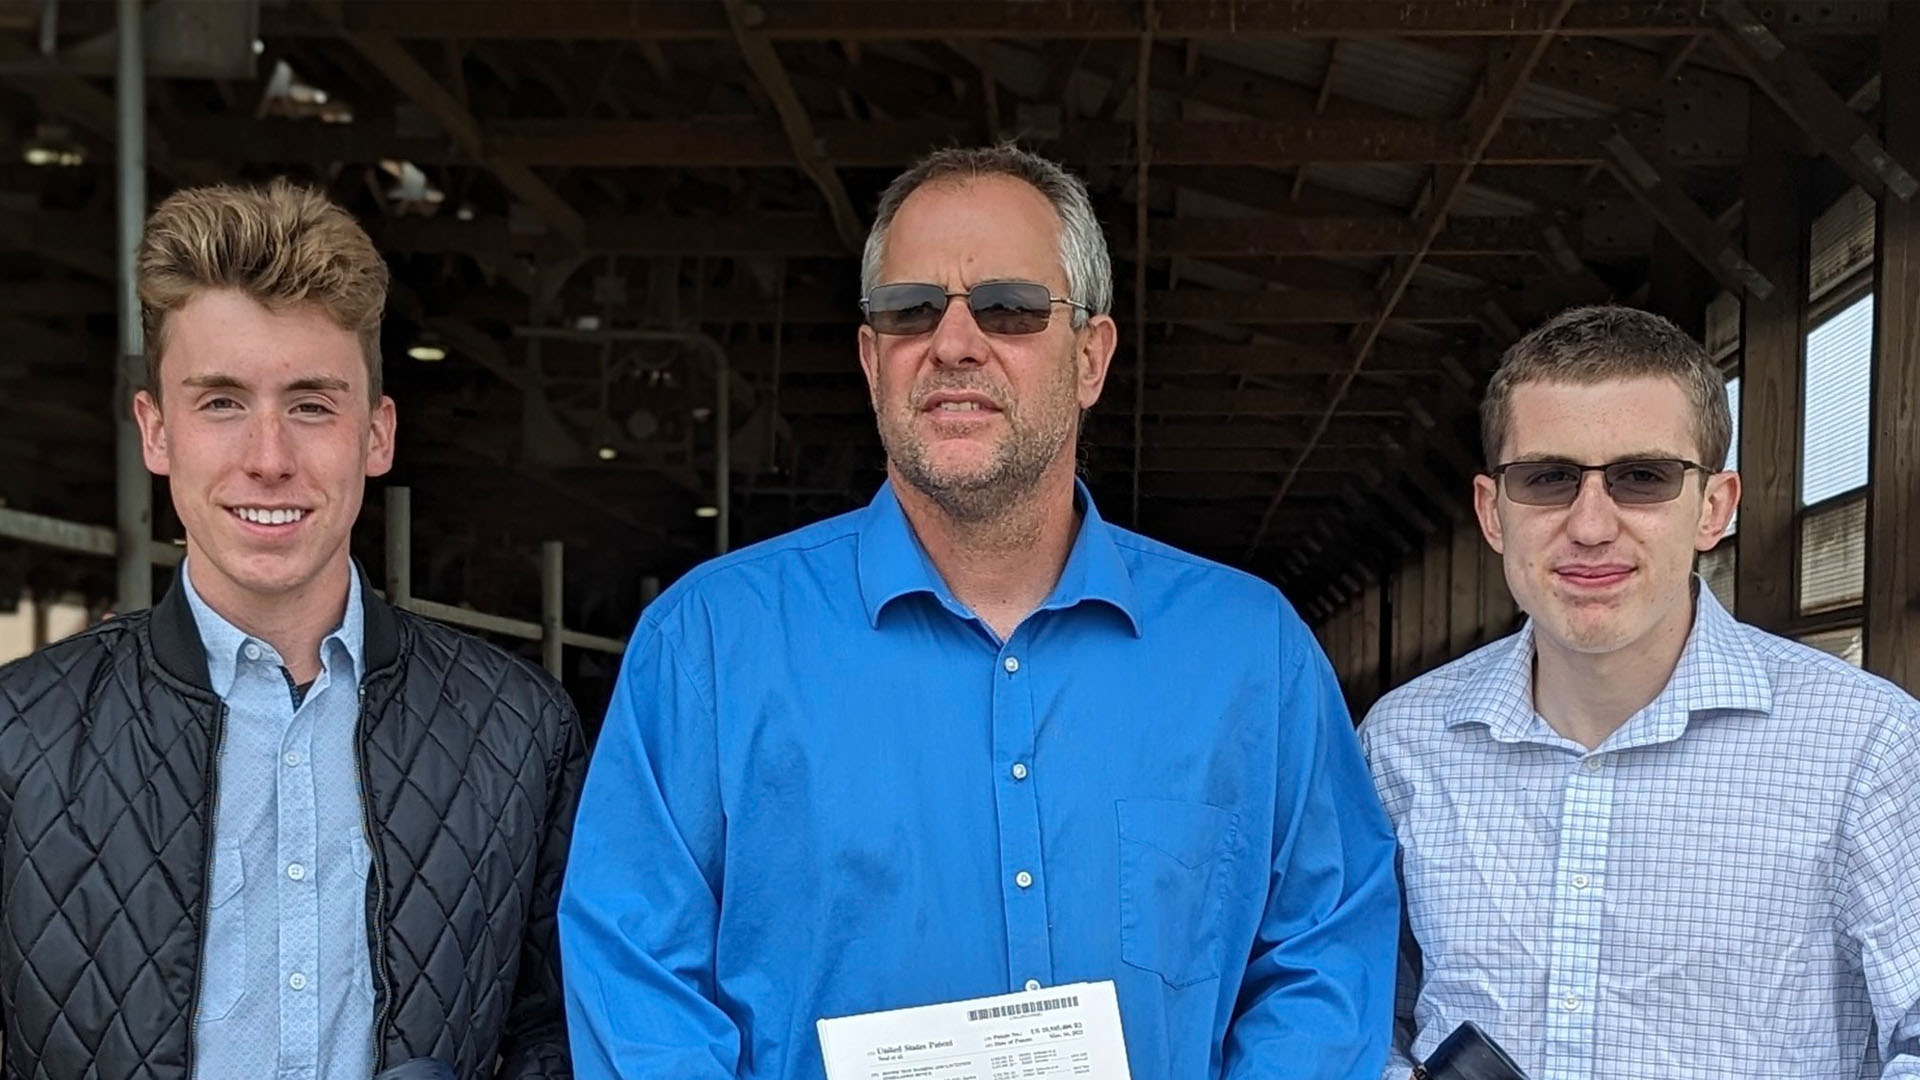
(999, 307)
(1640, 482)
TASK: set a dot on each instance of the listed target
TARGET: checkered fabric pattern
(1727, 886)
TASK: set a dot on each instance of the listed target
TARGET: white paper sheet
(1055, 1032)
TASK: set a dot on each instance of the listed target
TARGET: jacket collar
(178, 648)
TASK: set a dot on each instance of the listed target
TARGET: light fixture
(608, 453)
(427, 353)
(465, 213)
(706, 511)
(52, 146)
(701, 413)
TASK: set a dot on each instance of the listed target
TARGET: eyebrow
(1567, 459)
(222, 381)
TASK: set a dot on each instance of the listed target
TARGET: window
(1733, 446)
(1844, 643)
(1834, 439)
(1718, 567)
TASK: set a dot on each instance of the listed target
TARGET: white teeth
(268, 517)
(959, 406)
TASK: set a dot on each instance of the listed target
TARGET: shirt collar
(893, 564)
(1718, 672)
(224, 641)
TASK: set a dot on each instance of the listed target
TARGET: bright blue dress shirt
(286, 985)
(825, 787)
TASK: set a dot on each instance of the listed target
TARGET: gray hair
(1083, 247)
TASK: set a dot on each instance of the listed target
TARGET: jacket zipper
(206, 891)
(375, 956)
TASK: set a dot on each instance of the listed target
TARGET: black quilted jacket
(470, 764)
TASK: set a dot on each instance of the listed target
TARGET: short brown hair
(1607, 341)
(282, 245)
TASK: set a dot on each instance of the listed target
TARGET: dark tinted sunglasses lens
(1542, 483)
(905, 309)
(1010, 307)
(1635, 483)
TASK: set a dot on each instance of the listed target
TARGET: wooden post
(1408, 598)
(1773, 338)
(1893, 491)
(1433, 607)
(1370, 672)
(1464, 617)
(1496, 600)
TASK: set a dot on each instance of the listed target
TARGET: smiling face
(1598, 577)
(971, 419)
(261, 421)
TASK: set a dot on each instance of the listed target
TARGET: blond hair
(283, 245)
(1587, 345)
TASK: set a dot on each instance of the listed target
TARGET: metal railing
(550, 630)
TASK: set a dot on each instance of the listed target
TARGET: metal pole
(553, 556)
(399, 546)
(722, 452)
(133, 488)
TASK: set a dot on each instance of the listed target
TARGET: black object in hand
(1468, 1054)
(418, 1069)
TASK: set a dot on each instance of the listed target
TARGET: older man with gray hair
(973, 740)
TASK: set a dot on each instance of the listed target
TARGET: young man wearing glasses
(972, 739)
(1641, 840)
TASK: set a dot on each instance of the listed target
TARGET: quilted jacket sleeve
(534, 1045)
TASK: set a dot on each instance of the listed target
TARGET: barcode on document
(1024, 1008)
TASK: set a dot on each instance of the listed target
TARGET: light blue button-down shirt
(825, 787)
(1728, 886)
(286, 987)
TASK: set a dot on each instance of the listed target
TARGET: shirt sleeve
(1317, 999)
(1883, 888)
(640, 911)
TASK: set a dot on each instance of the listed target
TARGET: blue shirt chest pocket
(1175, 866)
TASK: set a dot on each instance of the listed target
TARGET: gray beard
(1006, 481)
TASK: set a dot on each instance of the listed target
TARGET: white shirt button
(1592, 763)
(1033, 984)
(1570, 1002)
(297, 872)
(1581, 881)
(1012, 664)
(1019, 770)
(292, 758)
(251, 652)
(297, 981)
(1023, 879)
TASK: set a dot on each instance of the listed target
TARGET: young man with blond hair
(274, 827)
(1640, 840)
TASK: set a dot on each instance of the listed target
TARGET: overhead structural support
(1698, 233)
(1893, 492)
(1498, 89)
(746, 19)
(133, 487)
(412, 79)
(1812, 105)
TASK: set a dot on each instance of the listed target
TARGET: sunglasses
(998, 307)
(1628, 483)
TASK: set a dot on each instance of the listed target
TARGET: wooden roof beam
(1483, 120)
(746, 21)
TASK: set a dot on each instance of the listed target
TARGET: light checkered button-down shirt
(1729, 886)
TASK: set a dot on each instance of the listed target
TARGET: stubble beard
(987, 492)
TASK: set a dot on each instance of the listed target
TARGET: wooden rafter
(1483, 122)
